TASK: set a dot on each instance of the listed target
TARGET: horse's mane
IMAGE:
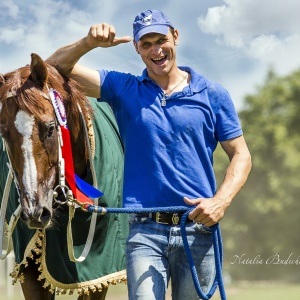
(29, 98)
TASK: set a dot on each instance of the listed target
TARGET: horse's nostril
(46, 214)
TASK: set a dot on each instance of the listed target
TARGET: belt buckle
(175, 219)
(157, 219)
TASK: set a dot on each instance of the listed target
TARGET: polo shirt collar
(197, 84)
(144, 76)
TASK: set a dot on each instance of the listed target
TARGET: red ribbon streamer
(69, 166)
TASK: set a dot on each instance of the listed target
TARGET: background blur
(252, 48)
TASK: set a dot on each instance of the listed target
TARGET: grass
(261, 291)
(239, 291)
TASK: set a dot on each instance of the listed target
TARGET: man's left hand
(208, 211)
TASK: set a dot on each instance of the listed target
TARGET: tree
(263, 219)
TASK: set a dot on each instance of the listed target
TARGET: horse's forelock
(27, 95)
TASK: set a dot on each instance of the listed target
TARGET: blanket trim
(37, 246)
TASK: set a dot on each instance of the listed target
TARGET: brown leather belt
(167, 218)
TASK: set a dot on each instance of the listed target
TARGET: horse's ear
(38, 70)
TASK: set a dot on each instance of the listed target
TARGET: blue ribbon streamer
(87, 189)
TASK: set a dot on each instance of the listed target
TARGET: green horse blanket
(105, 262)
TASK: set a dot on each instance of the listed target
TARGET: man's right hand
(104, 35)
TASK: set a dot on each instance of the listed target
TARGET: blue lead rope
(218, 251)
(217, 243)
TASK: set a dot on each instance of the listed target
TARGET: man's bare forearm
(65, 58)
(235, 177)
(209, 211)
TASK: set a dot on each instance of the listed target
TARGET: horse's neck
(79, 153)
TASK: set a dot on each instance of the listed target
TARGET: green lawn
(261, 291)
(241, 291)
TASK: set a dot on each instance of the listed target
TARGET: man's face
(158, 52)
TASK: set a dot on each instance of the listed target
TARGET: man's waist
(165, 217)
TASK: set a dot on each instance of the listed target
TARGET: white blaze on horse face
(24, 124)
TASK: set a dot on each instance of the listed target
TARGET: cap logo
(147, 20)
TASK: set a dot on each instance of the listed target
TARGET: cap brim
(162, 29)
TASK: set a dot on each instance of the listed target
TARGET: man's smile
(159, 61)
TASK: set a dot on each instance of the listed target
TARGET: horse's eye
(50, 130)
(3, 132)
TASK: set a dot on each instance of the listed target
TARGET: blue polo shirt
(168, 150)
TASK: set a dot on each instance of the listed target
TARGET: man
(170, 119)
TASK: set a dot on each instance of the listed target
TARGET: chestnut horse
(30, 128)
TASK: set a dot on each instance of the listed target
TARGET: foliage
(263, 219)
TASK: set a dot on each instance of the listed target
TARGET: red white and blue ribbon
(81, 189)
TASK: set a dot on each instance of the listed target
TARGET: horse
(30, 126)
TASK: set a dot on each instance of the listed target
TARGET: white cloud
(264, 30)
(41, 26)
(8, 7)
(242, 20)
(8, 36)
(282, 53)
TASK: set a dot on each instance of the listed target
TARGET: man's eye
(161, 41)
(146, 45)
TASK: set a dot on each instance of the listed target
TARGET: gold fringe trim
(38, 245)
(32, 246)
(91, 135)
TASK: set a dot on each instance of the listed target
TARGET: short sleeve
(227, 124)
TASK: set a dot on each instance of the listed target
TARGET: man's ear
(135, 46)
(176, 37)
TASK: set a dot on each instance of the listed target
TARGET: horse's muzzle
(36, 218)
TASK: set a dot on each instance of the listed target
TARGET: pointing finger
(121, 40)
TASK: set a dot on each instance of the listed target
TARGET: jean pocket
(203, 229)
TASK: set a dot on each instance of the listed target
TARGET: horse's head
(28, 127)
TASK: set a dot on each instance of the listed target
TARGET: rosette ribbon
(82, 190)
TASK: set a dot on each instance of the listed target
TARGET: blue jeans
(155, 254)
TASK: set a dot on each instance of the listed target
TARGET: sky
(233, 42)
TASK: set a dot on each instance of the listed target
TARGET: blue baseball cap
(150, 21)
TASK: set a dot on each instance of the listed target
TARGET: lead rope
(218, 253)
(217, 243)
